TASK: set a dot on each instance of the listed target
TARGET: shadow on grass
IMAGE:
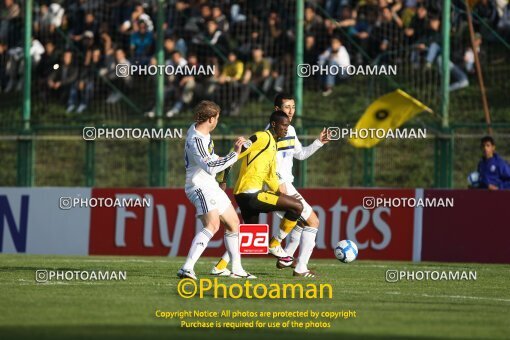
(173, 332)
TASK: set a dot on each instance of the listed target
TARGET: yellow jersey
(258, 165)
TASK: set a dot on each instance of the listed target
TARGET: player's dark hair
(280, 97)
(205, 110)
(487, 139)
(278, 116)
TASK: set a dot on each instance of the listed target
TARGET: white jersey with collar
(289, 147)
(201, 163)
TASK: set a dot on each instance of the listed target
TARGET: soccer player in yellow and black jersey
(258, 168)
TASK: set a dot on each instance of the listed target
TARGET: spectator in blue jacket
(494, 170)
(142, 42)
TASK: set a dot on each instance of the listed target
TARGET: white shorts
(307, 209)
(208, 199)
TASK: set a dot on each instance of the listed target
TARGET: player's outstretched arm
(238, 144)
(256, 142)
(222, 176)
(212, 164)
(303, 152)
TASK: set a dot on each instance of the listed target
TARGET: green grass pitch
(125, 309)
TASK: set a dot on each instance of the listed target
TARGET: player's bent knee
(232, 229)
(292, 215)
(296, 209)
(233, 225)
(296, 206)
(213, 226)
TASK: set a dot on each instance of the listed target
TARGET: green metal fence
(64, 161)
(41, 144)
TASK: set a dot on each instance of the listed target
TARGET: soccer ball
(474, 179)
(346, 251)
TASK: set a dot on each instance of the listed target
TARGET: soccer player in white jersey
(289, 148)
(202, 189)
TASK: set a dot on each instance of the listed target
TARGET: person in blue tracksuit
(494, 171)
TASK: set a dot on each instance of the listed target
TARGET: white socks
(226, 257)
(298, 236)
(197, 248)
(232, 245)
(307, 244)
(293, 240)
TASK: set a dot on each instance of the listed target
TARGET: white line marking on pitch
(466, 297)
(452, 296)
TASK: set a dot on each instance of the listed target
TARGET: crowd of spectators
(78, 43)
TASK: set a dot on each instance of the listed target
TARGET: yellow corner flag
(387, 113)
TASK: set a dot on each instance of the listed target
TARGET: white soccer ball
(346, 251)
